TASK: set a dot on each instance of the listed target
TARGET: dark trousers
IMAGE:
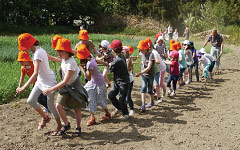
(122, 90)
(42, 99)
(129, 98)
(195, 65)
(174, 79)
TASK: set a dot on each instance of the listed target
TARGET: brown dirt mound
(195, 119)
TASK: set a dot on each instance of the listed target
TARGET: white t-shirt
(70, 64)
(162, 65)
(170, 29)
(189, 58)
(205, 61)
(175, 36)
(210, 57)
(46, 77)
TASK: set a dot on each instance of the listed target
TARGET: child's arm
(21, 80)
(97, 52)
(99, 61)
(32, 78)
(157, 60)
(146, 69)
(167, 62)
(60, 84)
(134, 58)
(87, 74)
(52, 58)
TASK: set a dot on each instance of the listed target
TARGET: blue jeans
(195, 65)
(174, 79)
(216, 51)
(147, 85)
(129, 98)
(122, 91)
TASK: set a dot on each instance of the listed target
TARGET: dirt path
(194, 119)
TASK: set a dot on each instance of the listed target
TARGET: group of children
(116, 58)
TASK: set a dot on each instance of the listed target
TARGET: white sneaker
(131, 112)
(187, 82)
(170, 91)
(173, 94)
(126, 116)
(114, 113)
(159, 100)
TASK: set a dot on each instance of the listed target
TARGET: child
(71, 95)
(182, 64)
(45, 79)
(189, 59)
(106, 54)
(159, 72)
(195, 58)
(95, 86)
(28, 68)
(121, 80)
(174, 72)
(206, 63)
(211, 58)
(126, 51)
(84, 39)
(147, 73)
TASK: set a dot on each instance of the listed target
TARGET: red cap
(115, 44)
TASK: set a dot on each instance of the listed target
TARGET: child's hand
(20, 90)
(47, 91)
(137, 74)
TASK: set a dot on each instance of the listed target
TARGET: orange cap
(149, 41)
(82, 52)
(25, 41)
(178, 45)
(63, 45)
(157, 35)
(171, 44)
(131, 50)
(83, 35)
(55, 40)
(23, 56)
(143, 45)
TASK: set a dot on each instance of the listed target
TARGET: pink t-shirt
(174, 68)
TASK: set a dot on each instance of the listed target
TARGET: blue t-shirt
(182, 64)
(194, 51)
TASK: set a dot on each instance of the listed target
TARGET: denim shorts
(212, 66)
(181, 71)
(156, 78)
(147, 85)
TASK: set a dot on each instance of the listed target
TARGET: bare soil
(197, 118)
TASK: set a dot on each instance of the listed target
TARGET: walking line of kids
(179, 61)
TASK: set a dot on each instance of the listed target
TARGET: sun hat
(104, 43)
(115, 44)
(191, 44)
(185, 42)
(178, 45)
(83, 35)
(171, 44)
(55, 40)
(143, 45)
(157, 35)
(63, 45)
(149, 41)
(203, 51)
(23, 56)
(131, 50)
(173, 47)
(159, 38)
(25, 41)
(82, 52)
(175, 54)
(199, 54)
(125, 49)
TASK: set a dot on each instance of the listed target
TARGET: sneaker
(142, 108)
(150, 104)
(125, 116)
(131, 112)
(159, 100)
(173, 94)
(187, 82)
(114, 113)
(46, 110)
(170, 91)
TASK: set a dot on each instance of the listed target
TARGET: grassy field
(10, 68)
